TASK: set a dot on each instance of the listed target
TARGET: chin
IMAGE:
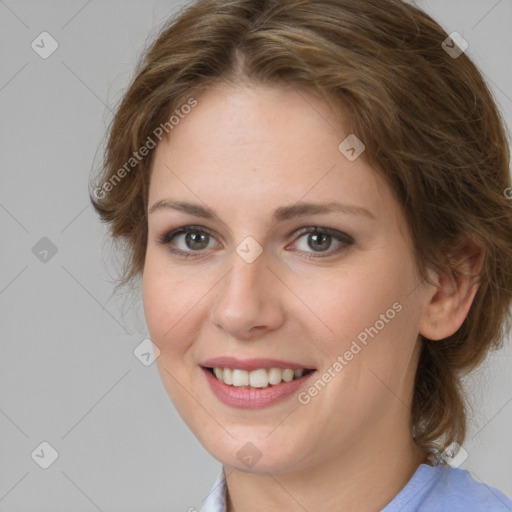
(253, 453)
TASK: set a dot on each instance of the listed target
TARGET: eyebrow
(280, 214)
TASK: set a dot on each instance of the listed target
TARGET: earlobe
(449, 302)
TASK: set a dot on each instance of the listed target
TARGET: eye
(195, 239)
(320, 239)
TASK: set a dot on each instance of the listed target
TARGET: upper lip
(252, 364)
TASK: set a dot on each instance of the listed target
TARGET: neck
(340, 483)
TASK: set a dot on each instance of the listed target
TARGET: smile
(240, 395)
(260, 378)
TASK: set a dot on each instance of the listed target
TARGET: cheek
(347, 300)
(168, 305)
(366, 309)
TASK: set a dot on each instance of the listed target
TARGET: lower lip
(244, 398)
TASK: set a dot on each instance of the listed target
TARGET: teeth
(288, 375)
(274, 376)
(260, 378)
(240, 378)
(226, 376)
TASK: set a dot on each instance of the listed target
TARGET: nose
(248, 303)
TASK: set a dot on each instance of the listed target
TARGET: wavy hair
(428, 120)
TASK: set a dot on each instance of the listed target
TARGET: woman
(313, 193)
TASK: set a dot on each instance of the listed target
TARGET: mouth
(260, 378)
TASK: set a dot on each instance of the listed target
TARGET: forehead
(261, 145)
(246, 116)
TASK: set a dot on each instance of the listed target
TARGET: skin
(244, 151)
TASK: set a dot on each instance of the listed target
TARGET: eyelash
(166, 239)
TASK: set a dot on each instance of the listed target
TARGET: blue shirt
(430, 489)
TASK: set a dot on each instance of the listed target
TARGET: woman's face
(343, 300)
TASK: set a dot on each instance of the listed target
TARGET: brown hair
(428, 120)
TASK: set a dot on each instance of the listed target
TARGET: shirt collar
(216, 500)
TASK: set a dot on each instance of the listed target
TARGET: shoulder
(442, 488)
(457, 488)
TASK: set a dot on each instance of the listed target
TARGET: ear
(448, 303)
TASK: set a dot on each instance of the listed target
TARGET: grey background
(68, 374)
